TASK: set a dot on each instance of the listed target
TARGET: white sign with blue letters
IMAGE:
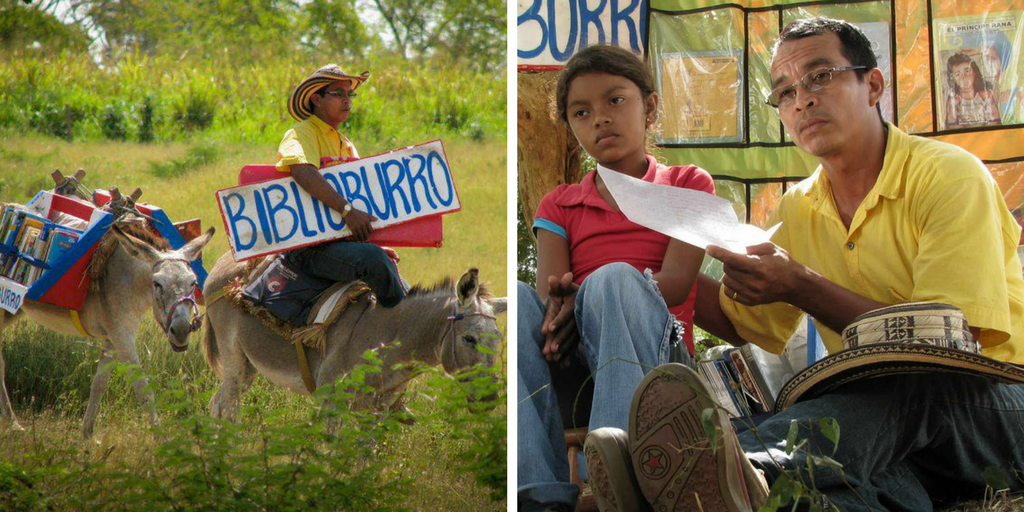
(551, 31)
(398, 186)
(12, 294)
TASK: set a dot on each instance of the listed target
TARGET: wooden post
(69, 185)
(549, 154)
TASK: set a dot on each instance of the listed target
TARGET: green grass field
(48, 375)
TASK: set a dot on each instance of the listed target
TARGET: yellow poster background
(701, 98)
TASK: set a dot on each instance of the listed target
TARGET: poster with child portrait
(975, 71)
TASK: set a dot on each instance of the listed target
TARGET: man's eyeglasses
(784, 96)
(340, 93)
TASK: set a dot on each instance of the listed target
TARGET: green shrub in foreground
(331, 458)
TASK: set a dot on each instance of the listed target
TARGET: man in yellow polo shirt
(321, 103)
(887, 218)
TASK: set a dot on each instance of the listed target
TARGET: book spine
(5, 222)
(718, 388)
(757, 400)
(758, 377)
(13, 241)
(737, 410)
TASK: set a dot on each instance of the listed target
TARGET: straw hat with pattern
(904, 338)
(300, 105)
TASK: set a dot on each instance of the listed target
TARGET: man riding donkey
(321, 103)
(452, 324)
(902, 244)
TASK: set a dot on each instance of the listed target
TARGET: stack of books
(738, 381)
(30, 244)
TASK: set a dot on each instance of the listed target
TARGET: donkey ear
(469, 285)
(191, 250)
(499, 305)
(139, 249)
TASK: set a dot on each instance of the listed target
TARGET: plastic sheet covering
(698, 63)
(736, 192)
(699, 69)
(764, 197)
(928, 51)
(913, 70)
(763, 31)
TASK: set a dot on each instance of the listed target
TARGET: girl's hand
(559, 325)
(563, 340)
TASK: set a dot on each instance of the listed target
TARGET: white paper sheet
(690, 216)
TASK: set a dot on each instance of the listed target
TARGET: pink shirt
(598, 235)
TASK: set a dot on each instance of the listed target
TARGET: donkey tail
(210, 346)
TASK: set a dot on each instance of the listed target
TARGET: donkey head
(173, 284)
(472, 326)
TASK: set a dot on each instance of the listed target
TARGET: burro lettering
(394, 187)
(10, 300)
(551, 31)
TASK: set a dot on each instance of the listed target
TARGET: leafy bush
(402, 103)
(274, 458)
(196, 109)
(146, 120)
(471, 407)
(327, 460)
(57, 120)
(196, 156)
(113, 121)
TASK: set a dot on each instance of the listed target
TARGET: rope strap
(307, 377)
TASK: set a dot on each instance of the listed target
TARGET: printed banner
(701, 96)
(551, 31)
(976, 70)
(396, 187)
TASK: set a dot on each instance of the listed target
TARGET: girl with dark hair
(610, 294)
(973, 102)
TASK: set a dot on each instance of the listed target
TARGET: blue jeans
(622, 320)
(342, 260)
(905, 440)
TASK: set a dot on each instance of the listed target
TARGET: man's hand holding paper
(762, 274)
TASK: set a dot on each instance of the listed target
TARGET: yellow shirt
(309, 141)
(934, 228)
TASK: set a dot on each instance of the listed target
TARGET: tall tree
(33, 26)
(469, 30)
(237, 28)
(410, 23)
(334, 28)
(474, 31)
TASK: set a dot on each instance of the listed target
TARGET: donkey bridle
(455, 317)
(197, 319)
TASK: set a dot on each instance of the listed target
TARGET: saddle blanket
(295, 305)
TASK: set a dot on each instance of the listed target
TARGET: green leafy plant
(196, 156)
(471, 406)
(195, 110)
(113, 121)
(146, 120)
